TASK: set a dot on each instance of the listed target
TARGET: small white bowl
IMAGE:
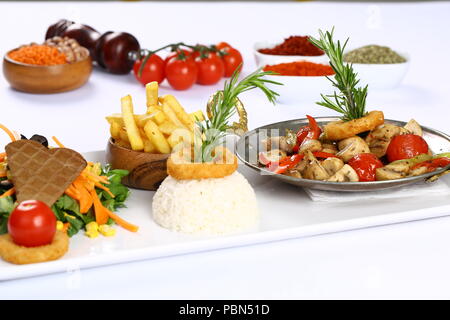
(382, 76)
(270, 59)
(305, 89)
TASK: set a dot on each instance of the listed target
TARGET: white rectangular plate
(286, 212)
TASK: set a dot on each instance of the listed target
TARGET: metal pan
(249, 145)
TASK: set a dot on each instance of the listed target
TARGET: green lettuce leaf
(6, 207)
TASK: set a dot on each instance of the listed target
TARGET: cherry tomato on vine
(186, 53)
(232, 59)
(153, 70)
(181, 73)
(406, 146)
(223, 45)
(32, 223)
(210, 69)
(365, 165)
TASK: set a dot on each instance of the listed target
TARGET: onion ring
(224, 164)
(17, 254)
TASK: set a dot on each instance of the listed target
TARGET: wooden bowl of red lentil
(41, 78)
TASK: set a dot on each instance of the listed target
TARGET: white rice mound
(206, 206)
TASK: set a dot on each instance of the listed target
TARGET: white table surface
(409, 260)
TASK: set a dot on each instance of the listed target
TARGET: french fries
(114, 130)
(175, 106)
(151, 92)
(168, 111)
(163, 128)
(197, 116)
(156, 137)
(158, 114)
(130, 124)
(180, 135)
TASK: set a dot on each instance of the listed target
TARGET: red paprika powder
(301, 68)
(294, 46)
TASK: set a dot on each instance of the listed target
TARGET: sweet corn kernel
(92, 226)
(92, 234)
(106, 230)
(59, 225)
(92, 229)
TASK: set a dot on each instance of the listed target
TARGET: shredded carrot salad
(83, 190)
(38, 55)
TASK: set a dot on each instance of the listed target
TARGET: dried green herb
(373, 54)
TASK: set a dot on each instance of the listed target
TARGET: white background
(400, 261)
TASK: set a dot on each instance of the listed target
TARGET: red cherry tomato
(365, 165)
(153, 70)
(232, 59)
(32, 223)
(223, 45)
(406, 146)
(187, 54)
(181, 74)
(210, 69)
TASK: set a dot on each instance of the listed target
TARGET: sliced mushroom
(282, 143)
(329, 148)
(286, 145)
(301, 166)
(392, 171)
(418, 171)
(313, 169)
(378, 139)
(293, 173)
(311, 145)
(332, 165)
(350, 147)
(414, 127)
(345, 174)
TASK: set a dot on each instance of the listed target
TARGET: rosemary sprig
(213, 130)
(351, 100)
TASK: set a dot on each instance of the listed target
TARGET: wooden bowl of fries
(141, 143)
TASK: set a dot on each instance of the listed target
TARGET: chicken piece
(378, 139)
(345, 174)
(313, 169)
(311, 145)
(392, 171)
(329, 148)
(414, 127)
(339, 130)
(332, 165)
(350, 147)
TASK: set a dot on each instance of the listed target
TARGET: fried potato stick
(130, 124)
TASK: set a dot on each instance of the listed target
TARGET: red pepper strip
(301, 135)
(309, 132)
(320, 154)
(287, 163)
(290, 162)
(432, 165)
(315, 131)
